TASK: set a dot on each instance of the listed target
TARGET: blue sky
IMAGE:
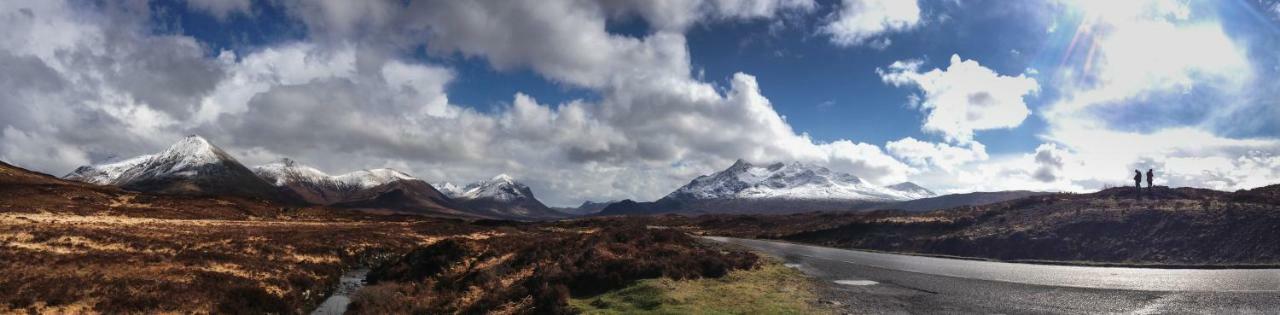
(630, 99)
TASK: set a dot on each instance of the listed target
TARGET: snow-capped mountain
(499, 196)
(384, 189)
(321, 188)
(774, 188)
(190, 166)
(796, 181)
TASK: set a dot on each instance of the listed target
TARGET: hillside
(1178, 226)
(191, 166)
(500, 197)
(382, 190)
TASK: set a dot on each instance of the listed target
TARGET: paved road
(866, 282)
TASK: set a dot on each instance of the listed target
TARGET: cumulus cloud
(1051, 161)
(941, 155)
(1150, 86)
(349, 98)
(221, 9)
(90, 83)
(859, 22)
(679, 15)
(964, 98)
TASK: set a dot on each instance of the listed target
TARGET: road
(866, 282)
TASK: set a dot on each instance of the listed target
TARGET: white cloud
(964, 98)
(676, 16)
(944, 156)
(1127, 100)
(221, 9)
(346, 99)
(858, 22)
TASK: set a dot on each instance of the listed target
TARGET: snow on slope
(183, 159)
(287, 171)
(793, 180)
(500, 188)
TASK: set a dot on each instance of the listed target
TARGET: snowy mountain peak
(449, 189)
(184, 158)
(791, 180)
(912, 190)
(287, 171)
(191, 165)
(503, 178)
(194, 150)
(501, 188)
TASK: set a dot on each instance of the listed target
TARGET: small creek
(347, 285)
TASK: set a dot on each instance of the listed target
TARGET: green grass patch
(770, 289)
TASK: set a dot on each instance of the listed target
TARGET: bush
(538, 271)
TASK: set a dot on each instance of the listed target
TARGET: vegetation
(770, 289)
(76, 248)
(536, 271)
(1168, 227)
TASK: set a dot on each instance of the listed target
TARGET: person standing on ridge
(1137, 181)
(1151, 175)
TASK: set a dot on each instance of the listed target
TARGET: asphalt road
(865, 282)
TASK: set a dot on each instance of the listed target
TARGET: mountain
(791, 181)
(380, 189)
(774, 188)
(192, 166)
(587, 207)
(957, 200)
(501, 197)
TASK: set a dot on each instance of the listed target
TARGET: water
(347, 285)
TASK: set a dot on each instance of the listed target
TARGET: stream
(347, 285)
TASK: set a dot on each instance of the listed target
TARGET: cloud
(676, 16)
(92, 83)
(941, 155)
(221, 9)
(1154, 84)
(964, 98)
(349, 97)
(858, 22)
(1050, 161)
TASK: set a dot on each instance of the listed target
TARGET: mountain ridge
(191, 166)
(501, 196)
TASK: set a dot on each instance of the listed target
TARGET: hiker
(1151, 175)
(1137, 181)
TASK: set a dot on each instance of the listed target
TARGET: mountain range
(772, 189)
(194, 166)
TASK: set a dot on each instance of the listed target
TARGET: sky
(612, 99)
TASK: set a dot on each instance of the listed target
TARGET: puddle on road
(856, 282)
(341, 298)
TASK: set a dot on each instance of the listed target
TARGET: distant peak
(287, 162)
(194, 149)
(740, 163)
(502, 178)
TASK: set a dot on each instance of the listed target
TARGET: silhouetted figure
(1137, 181)
(1151, 175)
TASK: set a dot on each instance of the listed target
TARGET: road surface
(865, 282)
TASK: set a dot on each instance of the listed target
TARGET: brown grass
(53, 262)
(536, 270)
